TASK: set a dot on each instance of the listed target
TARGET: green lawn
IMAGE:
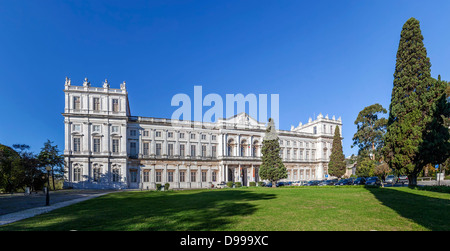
(267, 209)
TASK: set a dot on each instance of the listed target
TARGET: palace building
(108, 148)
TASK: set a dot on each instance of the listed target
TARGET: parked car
(359, 181)
(312, 183)
(390, 179)
(327, 183)
(221, 185)
(373, 181)
(343, 182)
(402, 179)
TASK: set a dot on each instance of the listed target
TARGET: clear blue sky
(329, 57)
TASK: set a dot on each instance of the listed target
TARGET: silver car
(390, 179)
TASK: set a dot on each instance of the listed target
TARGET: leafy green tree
(272, 167)
(33, 177)
(410, 103)
(50, 156)
(369, 136)
(336, 166)
(11, 170)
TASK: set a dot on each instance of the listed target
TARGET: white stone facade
(106, 147)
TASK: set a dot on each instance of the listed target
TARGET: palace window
(213, 137)
(146, 148)
(96, 128)
(96, 102)
(170, 176)
(77, 174)
(115, 105)
(133, 175)
(97, 173)
(193, 175)
(146, 175)
(182, 150)
(115, 145)
(145, 133)
(116, 176)
(76, 103)
(158, 149)
(170, 134)
(76, 144)
(158, 134)
(133, 148)
(182, 176)
(170, 149)
(192, 150)
(96, 145)
(214, 151)
(203, 150)
(204, 176)
(192, 136)
(114, 129)
(181, 135)
(158, 176)
(203, 136)
(77, 127)
(214, 176)
(132, 132)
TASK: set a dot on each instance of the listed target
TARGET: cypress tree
(410, 102)
(272, 167)
(336, 166)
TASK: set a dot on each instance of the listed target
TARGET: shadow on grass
(148, 211)
(431, 213)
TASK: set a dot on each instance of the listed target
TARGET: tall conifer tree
(410, 102)
(272, 167)
(336, 166)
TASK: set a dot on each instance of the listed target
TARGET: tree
(369, 136)
(410, 102)
(33, 177)
(336, 166)
(50, 156)
(11, 171)
(272, 167)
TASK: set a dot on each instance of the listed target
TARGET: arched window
(76, 173)
(230, 146)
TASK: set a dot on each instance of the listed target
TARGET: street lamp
(47, 197)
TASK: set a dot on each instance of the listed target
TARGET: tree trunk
(274, 184)
(412, 180)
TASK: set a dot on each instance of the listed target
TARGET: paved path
(16, 207)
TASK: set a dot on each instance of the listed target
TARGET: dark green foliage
(411, 99)
(369, 136)
(272, 167)
(336, 166)
(11, 169)
(50, 156)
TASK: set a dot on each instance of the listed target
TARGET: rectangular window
(214, 151)
(115, 129)
(115, 105)
(96, 128)
(133, 175)
(213, 137)
(315, 129)
(170, 134)
(96, 174)
(76, 144)
(132, 132)
(146, 148)
(158, 134)
(192, 150)
(193, 176)
(76, 103)
(182, 150)
(182, 176)
(170, 149)
(115, 145)
(77, 174)
(203, 150)
(116, 175)
(203, 137)
(133, 148)
(96, 145)
(158, 149)
(204, 176)
(77, 127)
(181, 135)
(192, 136)
(146, 175)
(96, 102)
(145, 133)
(170, 176)
(158, 176)
(214, 176)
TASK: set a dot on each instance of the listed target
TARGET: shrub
(238, 184)
(158, 187)
(166, 187)
(252, 184)
(260, 183)
(230, 184)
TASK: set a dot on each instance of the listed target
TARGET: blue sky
(329, 57)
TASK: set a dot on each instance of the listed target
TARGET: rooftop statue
(271, 133)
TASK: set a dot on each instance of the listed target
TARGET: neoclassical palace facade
(106, 147)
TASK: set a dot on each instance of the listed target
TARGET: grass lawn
(255, 209)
